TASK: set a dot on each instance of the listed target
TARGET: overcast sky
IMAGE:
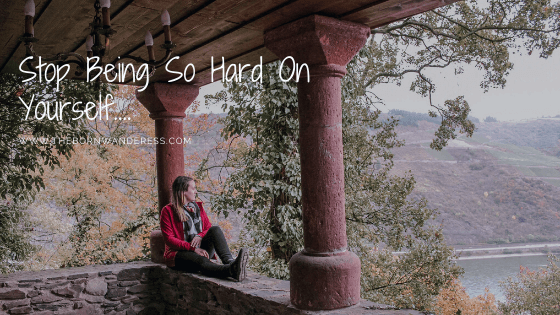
(532, 91)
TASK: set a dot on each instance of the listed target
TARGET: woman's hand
(196, 241)
(201, 252)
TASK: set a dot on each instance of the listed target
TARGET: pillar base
(157, 246)
(320, 282)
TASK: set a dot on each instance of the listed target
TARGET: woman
(190, 239)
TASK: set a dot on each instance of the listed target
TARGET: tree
(110, 189)
(533, 292)
(101, 199)
(24, 162)
(14, 239)
(454, 300)
(455, 36)
(379, 211)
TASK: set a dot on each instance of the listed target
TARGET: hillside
(500, 186)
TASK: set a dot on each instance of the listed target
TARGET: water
(488, 272)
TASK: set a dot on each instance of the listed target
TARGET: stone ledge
(150, 288)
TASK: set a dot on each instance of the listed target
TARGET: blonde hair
(180, 185)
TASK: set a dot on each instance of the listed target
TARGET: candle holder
(95, 46)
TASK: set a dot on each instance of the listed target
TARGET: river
(487, 272)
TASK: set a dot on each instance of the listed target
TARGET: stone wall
(113, 289)
(149, 288)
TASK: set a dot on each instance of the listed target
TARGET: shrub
(455, 300)
(533, 292)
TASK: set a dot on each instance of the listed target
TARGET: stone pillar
(325, 275)
(167, 104)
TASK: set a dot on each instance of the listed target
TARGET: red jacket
(173, 234)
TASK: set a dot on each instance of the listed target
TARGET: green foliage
(410, 280)
(456, 114)
(490, 119)
(380, 213)
(266, 181)
(23, 162)
(14, 239)
(533, 292)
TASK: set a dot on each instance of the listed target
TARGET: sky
(532, 91)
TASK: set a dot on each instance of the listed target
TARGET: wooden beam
(394, 10)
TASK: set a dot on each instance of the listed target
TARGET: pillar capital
(164, 100)
(318, 40)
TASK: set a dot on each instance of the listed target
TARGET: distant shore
(506, 250)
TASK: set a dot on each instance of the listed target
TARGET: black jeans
(213, 242)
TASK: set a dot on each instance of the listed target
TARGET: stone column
(167, 104)
(325, 275)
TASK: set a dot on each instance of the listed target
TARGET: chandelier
(96, 46)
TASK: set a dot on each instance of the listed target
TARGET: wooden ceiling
(232, 29)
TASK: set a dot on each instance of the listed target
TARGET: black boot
(238, 269)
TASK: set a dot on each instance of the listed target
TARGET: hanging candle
(29, 11)
(166, 21)
(149, 41)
